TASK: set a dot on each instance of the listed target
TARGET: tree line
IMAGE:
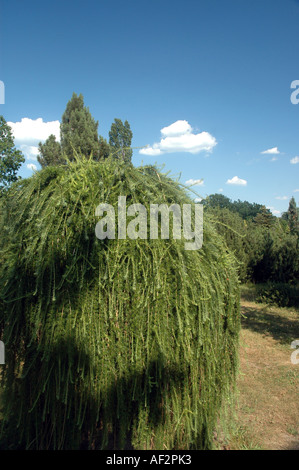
(266, 247)
(78, 135)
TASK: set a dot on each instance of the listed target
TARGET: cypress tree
(293, 217)
(79, 130)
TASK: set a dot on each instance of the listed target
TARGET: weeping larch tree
(110, 343)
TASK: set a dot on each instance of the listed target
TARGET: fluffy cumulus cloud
(179, 137)
(29, 132)
(273, 151)
(274, 211)
(294, 160)
(237, 181)
(30, 151)
(194, 182)
(31, 167)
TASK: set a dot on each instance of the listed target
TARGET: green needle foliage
(110, 343)
(79, 130)
(11, 159)
(50, 152)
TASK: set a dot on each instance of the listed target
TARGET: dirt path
(269, 383)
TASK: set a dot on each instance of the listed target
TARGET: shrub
(281, 294)
(110, 342)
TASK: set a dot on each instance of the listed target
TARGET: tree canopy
(10, 158)
(120, 138)
(50, 152)
(292, 216)
(246, 210)
(79, 130)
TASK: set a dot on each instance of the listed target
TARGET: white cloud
(220, 190)
(30, 151)
(237, 181)
(31, 166)
(272, 151)
(294, 160)
(198, 199)
(28, 130)
(177, 128)
(150, 151)
(296, 190)
(274, 211)
(195, 182)
(179, 137)
(273, 159)
(282, 198)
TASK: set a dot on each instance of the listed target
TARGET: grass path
(268, 408)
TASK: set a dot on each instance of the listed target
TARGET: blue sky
(214, 75)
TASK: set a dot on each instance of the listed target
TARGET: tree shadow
(107, 418)
(294, 445)
(281, 328)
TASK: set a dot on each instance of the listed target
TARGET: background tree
(120, 138)
(245, 209)
(264, 217)
(50, 152)
(10, 158)
(292, 217)
(248, 210)
(79, 130)
(104, 148)
(217, 200)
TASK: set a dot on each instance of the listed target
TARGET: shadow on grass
(281, 328)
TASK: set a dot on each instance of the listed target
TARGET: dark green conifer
(50, 153)
(79, 130)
